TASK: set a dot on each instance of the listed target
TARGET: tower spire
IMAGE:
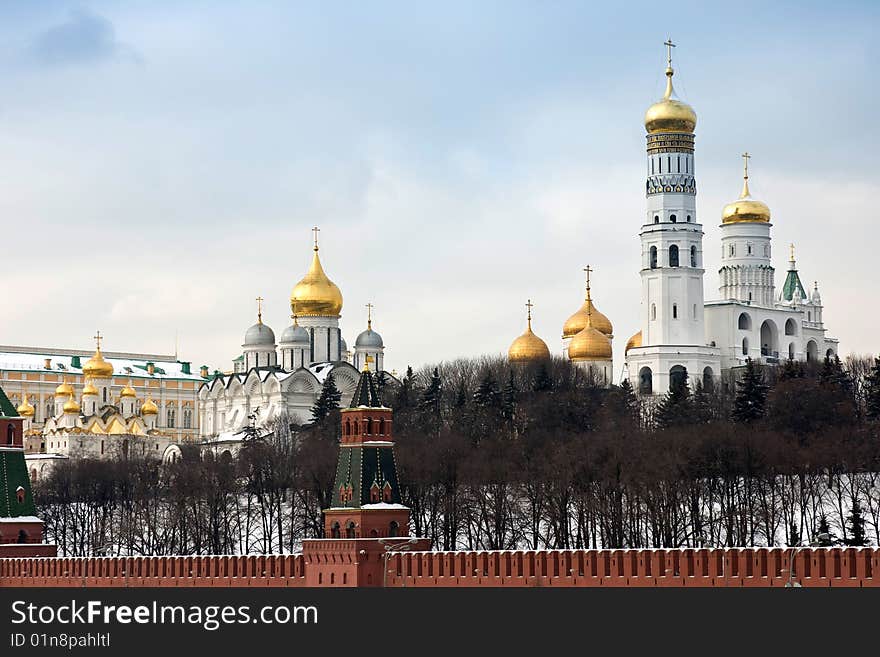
(745, 191)
(529, 305)
(316, 230)
(369, 316)
(669, 71)
(588, 271)
(260, 310)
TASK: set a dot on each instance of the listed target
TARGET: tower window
(675, 311)
(749, 249)
(678, 163)
(693, 256)
(653, 257)
(652, 165)
(731, 250)
(695, 311)
(689, 218)
(673, 256)
(656, 218)
(653, 311)
(673, 218)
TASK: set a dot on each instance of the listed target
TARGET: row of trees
(499, 457)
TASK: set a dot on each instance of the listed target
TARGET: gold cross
(260, 301)
(316, 230)
(529, 306)
(369, 315)
(669, 46)
(98, 339)
(746, 158)
(588, 269)
(791, 251)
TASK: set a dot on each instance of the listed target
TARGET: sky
(162, 163)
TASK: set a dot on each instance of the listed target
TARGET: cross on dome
(260, 301)
(369, 315)
(316, 230)
(97, 337)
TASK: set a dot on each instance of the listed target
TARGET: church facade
(282, 378)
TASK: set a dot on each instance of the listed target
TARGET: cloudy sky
(161, 163)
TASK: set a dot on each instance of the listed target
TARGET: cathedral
(682, 336)
(272, 379)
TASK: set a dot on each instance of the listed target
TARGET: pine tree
(824, 537)
(405, 393)
(856, 524)
(542, 381)
(508, 398)
(703, 404)
(328, 400)
(833, 374)
(676, 407)
(431, 398)
(872, 392)
(794, 535)
(791, 369)
(487, 394)
(630, 401)
(751, 395)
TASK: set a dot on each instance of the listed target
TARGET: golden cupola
(64, 389)
(128, 391)
(316, 295)
(745, 209)
(528, 347)
(90, 388)
(96, 367)
(634, 342)
(670, 114)
(25, 408)
(589, 344)
(578, 321)
(149, 408)
(70, 406)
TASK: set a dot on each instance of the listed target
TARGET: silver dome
(343, 345)
(259, 334)
(369, 338)
(295, 334)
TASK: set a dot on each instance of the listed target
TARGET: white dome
(369, 338)
(259, 334)
(295, 334)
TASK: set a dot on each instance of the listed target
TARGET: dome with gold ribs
(70, 406)
(25, 408)
(128, 391)
(745, 209)
(64, 389)
(578, 321)
(90, 388)
(149, 408)
(96, 367)
(589, 344)
(316, 295)
(670, 114)
(528, 347)
(634, 342)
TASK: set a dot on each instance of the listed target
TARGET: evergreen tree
(824, 537)
(487, 394)
(791, 369)
(630, 401)
(676, 407)
(542, 381)
(508, 398)
(872, 392)
(834, 375)
(431, 398)
(405, 392)
(381, 383)
(751, 395)
(794, 535)
(856, 524)
(703, 404)
(328, 400)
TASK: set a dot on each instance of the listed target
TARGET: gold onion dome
(315, 294)
(589, 344)
(90, 388)
(634, 342)
(745, 209)
(670, 114)
(128, 391)
(96, 367)
(528, 347)
(64, 388)
(578, 321)
(70, 406)
(25, 408)
(149, 408)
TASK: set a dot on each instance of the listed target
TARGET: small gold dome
(670, 114)
(149, 408)
(25, 408)
(64, 389)
(90, 388)
(528, 347)
(745, 209)
(315, 294)
(71, 406)
(634, 341)
(128, 391)
(578, 321)
(96, 367)
(589, 344)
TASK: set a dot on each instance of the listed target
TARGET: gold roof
(315, 294)
(71, 406)
(149, 407)
(589, 344)
(25, 408)
(128, 391)
(90, 388)
(578, 321)
(670, 114)
(64, 389)
(634, 341)
(528, 347)
(96, 367)
(745, 209)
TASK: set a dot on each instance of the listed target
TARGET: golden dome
(149, 408)
(634, 341)
(528, 347)
(25, 409)
(745, 209)
(64, 389)
(96, 367)
(670, 114)
(128, 391)
(71, 406)
(90, 388)
(315, 294)
(578, 321)
(589, 344)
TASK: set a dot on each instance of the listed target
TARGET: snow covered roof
(124, 365)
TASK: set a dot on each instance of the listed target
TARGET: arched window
(170, 415)
(769, 339)
(749, 249)
(791, 351)
(382, 426)
(10, 434)
(349, 530)
(187, 418)
(653, 311)
(693, 256)
(645, 381)
(19, 494)
(695, 311)
(369, 426)
(334, 531)
(790, 326)
(745, 348)
(689, 218)
(673, 256)
(357, 427)
(346, 430)
(809, 316)
(675, 311)
(812, 351)
(745, 322)
(673, 218)
(393, 528)
(829, 353)
(105, 395)
(653, 257)
(708, 378)
(22, 536)
(677, 377)
(656, 218)
(731, 250)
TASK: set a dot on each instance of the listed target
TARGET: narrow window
(678, 163)
(693, 256)
(652, 166)
(656, 219)
(675, 311)
(653, 257)
(653, 311)
(689, 218)
(673, 256)
(673, 218)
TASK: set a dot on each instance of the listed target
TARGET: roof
(366, 394)
(6, 407)
(792, 283)
(62, 362)
(14, 475)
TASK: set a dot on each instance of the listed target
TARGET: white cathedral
(311, 349)
(682, 334)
